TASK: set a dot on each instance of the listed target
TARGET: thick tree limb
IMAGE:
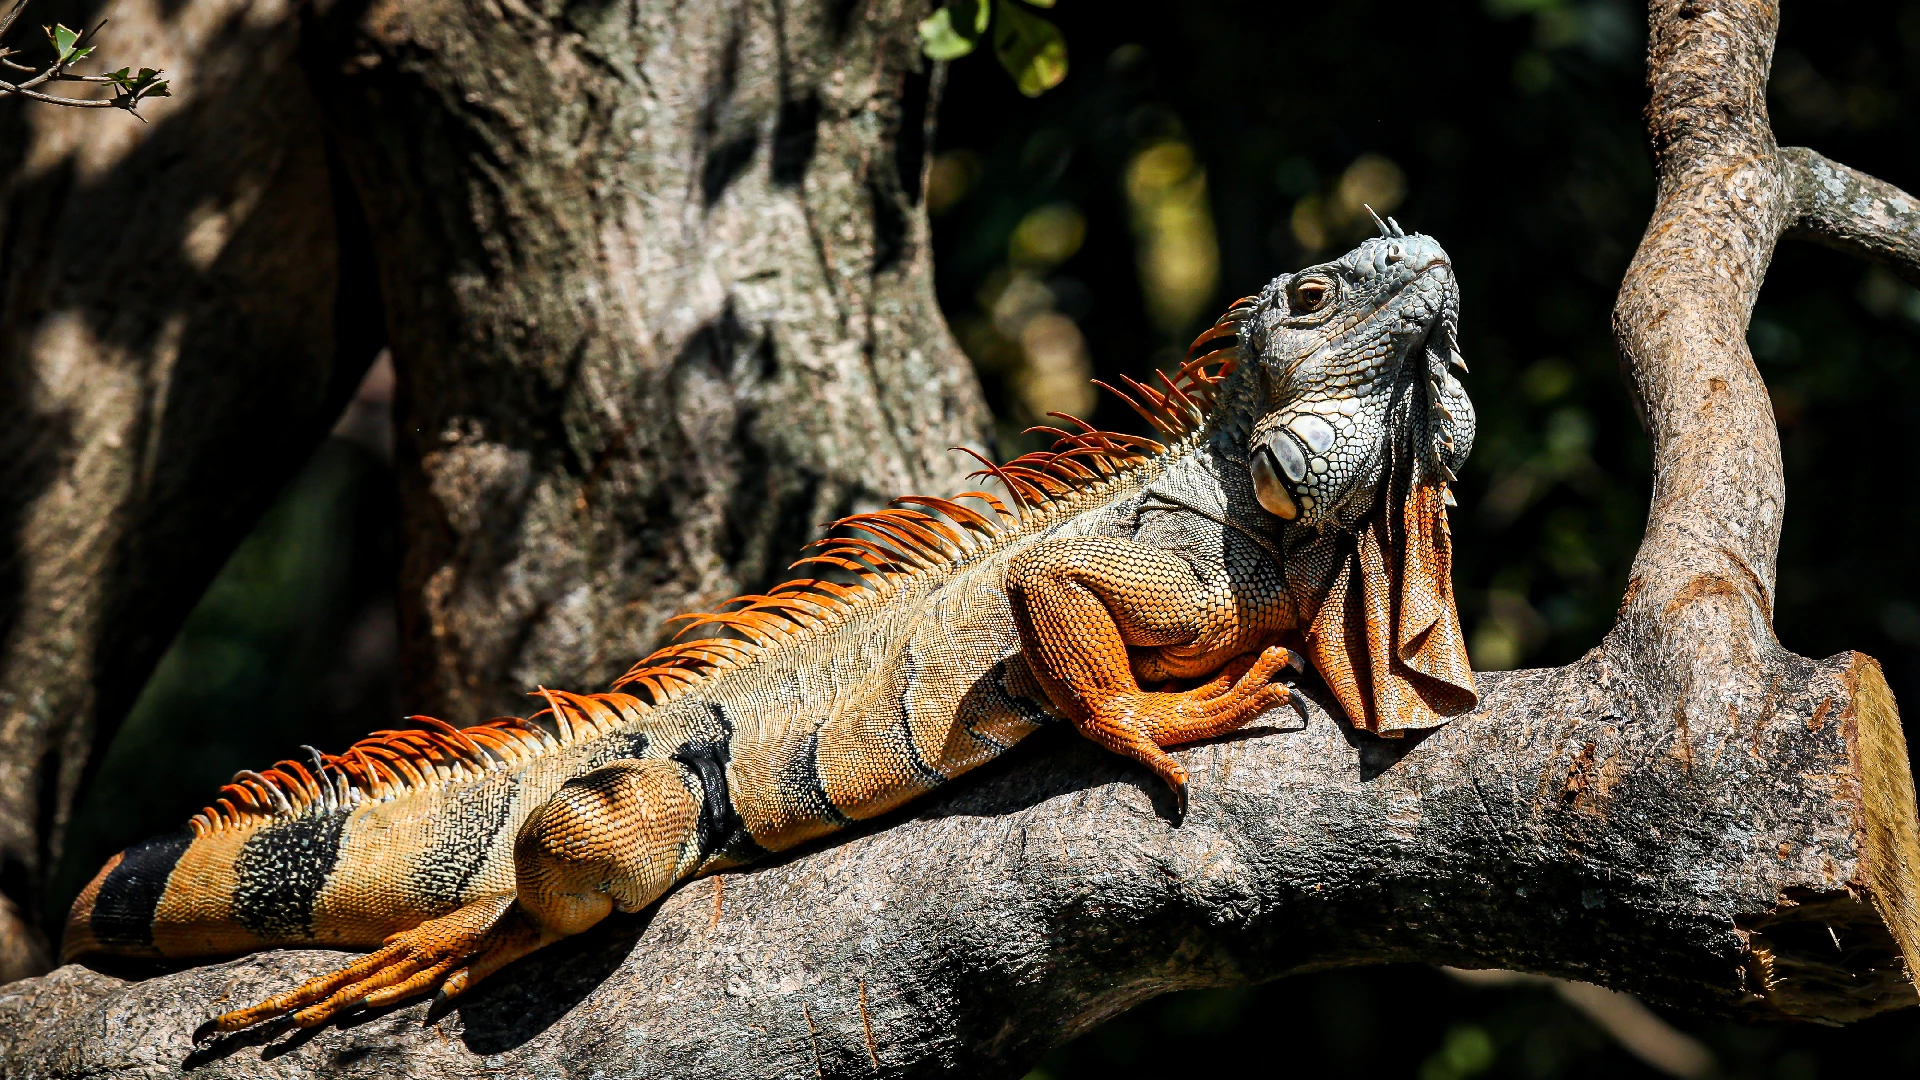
(1690, 812)
(157, 386)
(1560, 831)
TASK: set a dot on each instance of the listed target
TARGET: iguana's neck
(1222, 449)
(1240, 404)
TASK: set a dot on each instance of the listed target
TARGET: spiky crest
(390, 763)
(882, 551)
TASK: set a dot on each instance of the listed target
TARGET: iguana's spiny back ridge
(1297, 501)
(915, 536)
(918, 535)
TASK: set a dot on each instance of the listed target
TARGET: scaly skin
(1147, 595)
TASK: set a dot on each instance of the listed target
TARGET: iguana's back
(810, 719)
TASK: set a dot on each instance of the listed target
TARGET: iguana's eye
(1311, 295)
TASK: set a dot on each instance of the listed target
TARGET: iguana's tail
(161, 898)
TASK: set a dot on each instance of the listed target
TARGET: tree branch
(708, 327)
(1847, 210)
(1690, 812)
(1558, 831)
(130, 89)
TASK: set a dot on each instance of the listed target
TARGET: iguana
(1147, 593)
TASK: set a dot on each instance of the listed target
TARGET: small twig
(76, 103)
(6, 24)
(40, 78)
(131, 89)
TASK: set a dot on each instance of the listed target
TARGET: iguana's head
(1353, 426)
(1352, 381)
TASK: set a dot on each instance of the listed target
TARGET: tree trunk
(156, 386)
(1689, 812)
(662, 301)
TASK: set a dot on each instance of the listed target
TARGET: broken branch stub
(1696, 623)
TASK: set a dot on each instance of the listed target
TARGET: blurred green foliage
(1030, 48)
(1420, 1024)
(1511, 131)
(1194, 152)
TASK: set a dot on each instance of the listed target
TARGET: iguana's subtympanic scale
(1147, 593)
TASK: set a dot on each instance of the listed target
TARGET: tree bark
(1690, 812)
(157, 388)
(1849, 211)
(662, 300)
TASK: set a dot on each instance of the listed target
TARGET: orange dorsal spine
(881, 550)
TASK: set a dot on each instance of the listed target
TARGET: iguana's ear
(1387, 635)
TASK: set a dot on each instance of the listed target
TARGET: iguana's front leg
(1097, 613)
(615, 838)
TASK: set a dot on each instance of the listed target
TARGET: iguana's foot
(451, 952)
(1140, 723)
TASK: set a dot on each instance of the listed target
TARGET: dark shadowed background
(1193, 152)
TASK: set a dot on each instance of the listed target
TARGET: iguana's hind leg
(615, 838)
(1094, 611)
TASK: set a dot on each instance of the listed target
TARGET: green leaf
(940, 41)
(63, 39)
(137, 88)
(81, 54)
(1030, 48)
(1041, 3)
(953, 31)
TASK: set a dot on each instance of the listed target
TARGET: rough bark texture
(156, 387)
(1852, 212)
(662, 302)
(1690, 812)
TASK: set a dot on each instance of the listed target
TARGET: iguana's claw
(411, 962)
(1141, 724)
(1299, 702)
